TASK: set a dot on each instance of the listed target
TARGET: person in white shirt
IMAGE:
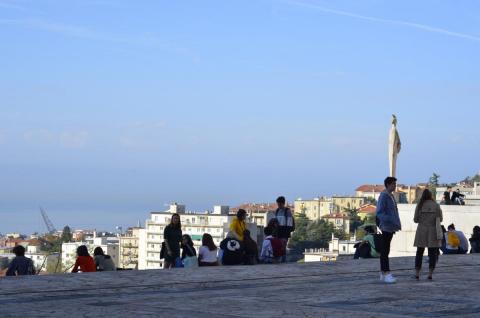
(207, 255)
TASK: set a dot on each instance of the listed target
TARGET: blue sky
(111, 109)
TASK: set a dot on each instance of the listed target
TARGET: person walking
(428, 216)
(286, 224)
(388, 221)
(20, 265)
(173, 237)
(84, 262)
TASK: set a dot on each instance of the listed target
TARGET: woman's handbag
(190, 261)
(438, 228)
(163, 251)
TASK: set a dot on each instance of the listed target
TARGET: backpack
(453, 240)
(277, 247)
(233, 252)
(363, 250)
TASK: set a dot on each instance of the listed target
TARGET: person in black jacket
(20, 265)
(475, 240)
(447, 199)
(286, 223)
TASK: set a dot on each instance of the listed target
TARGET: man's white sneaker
(382, 278)
(389, 279)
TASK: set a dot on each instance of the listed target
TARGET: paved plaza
(346, 288)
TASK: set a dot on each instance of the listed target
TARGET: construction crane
(50, 228)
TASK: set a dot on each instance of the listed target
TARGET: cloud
(66, 139)
(74, 139)
(147, 39)
(413, 25)
(8, 5)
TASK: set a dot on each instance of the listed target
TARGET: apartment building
(216, 223)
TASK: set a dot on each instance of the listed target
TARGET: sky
(112, 109)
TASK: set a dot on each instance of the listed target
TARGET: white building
(215, 223)
(129, 248)
(110, 246)
(463, 216)
(336, 248)
(41, 260)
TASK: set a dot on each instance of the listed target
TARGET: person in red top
(84, 261)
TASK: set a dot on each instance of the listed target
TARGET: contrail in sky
(414, 25)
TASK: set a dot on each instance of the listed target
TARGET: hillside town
(339, 221)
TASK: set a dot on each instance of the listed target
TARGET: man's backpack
(363, 250)
(453, 240)
(277, 247)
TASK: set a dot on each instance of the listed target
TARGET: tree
(66, 235)
(301, 224)
(370, 200)
(355, 220)
(433, 183)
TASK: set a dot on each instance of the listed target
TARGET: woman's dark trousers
(432, 257)
(386, 240)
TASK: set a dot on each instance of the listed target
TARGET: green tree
(370, 200)
(301, 224)
(66, 235)
(433, 183)
(355, 220)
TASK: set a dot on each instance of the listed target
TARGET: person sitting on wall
(366, 248)
(20, 265)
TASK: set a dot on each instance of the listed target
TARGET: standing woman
(427, 235)
(173, 237)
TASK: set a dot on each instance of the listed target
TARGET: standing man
(286, 224)
(389, 222)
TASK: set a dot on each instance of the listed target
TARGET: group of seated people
(98, 263)
(453, 242)
(232, 250)
(453, 197)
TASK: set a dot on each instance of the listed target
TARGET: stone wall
(464, 218)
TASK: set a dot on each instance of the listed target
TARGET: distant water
(27, 219)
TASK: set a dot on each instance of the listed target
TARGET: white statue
(394, 147)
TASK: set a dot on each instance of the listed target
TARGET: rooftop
(342, 289)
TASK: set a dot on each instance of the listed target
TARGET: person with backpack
(20, 265)
(272, 247)
(428, 215)
(457, 239)
(232, 251)
(189, 254)
(366, 248)
(286, 224)
(103, 262)
(389, 222)
(84, 261)
(207, 255)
